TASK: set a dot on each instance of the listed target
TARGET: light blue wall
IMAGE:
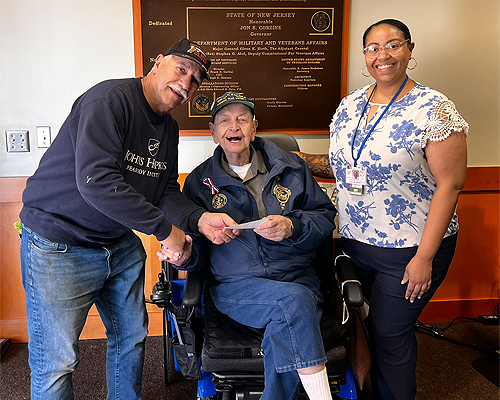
(53, 50)
(457, 47)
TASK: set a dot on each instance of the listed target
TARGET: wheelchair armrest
(346, 273)
(192, 288)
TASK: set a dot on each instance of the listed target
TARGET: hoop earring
(415, 66)
(362, 71)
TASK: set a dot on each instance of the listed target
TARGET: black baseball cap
(228, 98)
(192, 51)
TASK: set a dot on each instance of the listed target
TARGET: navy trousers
(291, 313)
(391, 317)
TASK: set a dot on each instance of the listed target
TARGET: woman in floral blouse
(398, 152)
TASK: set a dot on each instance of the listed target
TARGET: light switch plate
(43, 136)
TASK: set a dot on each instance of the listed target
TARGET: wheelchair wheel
(228, 396)
(168, 351)
(219, 396)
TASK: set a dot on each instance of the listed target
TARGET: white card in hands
(248, 225)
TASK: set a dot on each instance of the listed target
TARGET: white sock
(316, 385)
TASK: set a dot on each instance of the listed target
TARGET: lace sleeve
(444, 120)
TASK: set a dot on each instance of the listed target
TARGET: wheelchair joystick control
(162, 290)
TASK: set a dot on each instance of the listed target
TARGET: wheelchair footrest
(251, 383)
(232, 364)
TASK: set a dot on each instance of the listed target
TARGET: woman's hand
(418, 275)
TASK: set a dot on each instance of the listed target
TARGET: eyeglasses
(373, 51)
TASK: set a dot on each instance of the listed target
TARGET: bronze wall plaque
(285, 55)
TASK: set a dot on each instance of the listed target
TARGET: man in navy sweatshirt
(112, 169)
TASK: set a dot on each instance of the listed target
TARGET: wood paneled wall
(470, 289)
(12, 300)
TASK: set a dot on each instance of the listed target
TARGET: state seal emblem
(201, 105)
(320, 21)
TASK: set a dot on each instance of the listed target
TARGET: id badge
(356, 178)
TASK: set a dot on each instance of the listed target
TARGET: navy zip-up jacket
(111, 168)
(290, 190)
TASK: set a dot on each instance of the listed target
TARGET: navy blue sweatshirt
(111, 168)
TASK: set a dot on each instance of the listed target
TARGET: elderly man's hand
(212, 225)
(276, 228)
(173, 246)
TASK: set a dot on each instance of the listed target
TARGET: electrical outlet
(43, 136)
(17, 141)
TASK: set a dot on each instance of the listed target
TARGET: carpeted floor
(444, 370)
(89, 379)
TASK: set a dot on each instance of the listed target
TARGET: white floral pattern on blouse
(393, 208)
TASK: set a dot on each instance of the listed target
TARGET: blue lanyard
(376, 123)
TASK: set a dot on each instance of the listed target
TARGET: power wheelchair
(229, 353)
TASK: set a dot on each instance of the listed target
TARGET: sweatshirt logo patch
(153, 146)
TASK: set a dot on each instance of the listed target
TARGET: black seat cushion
(231, 346)
(226, 338)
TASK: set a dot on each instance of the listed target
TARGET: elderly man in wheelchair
(263, 276)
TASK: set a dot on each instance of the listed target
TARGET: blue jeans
(291, 313)
(62, 283)
(391, 319)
